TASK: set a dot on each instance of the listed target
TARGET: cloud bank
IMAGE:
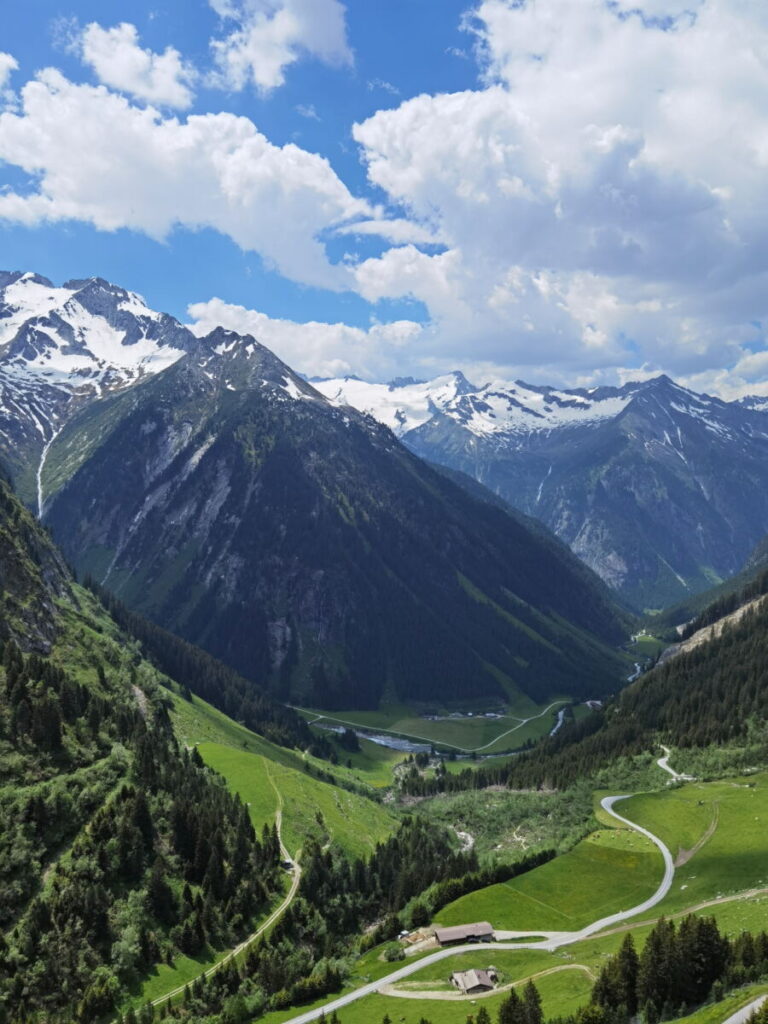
(592, 208)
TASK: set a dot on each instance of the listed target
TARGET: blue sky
(389, 66)
(571, 193)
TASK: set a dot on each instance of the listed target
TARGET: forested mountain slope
(231, 503)
(118, 849)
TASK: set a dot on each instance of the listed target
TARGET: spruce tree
(532, 1004)
(512, 1010)
(628, 966)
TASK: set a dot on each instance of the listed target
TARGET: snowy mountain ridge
(660, 490)
(64, 346)
(84, 334)
(506, 409)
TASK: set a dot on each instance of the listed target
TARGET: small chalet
(472, 982)
(480, 931)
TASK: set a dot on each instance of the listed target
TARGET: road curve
(663, 763)
(742, 1016)
(552, 942)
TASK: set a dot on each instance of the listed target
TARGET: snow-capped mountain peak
(757, 402)
(495, 408)
(402, 406)
(84, 333)
(62, 346)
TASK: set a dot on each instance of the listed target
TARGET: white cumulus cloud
(8, 64)
(95, 157)
(314, 348)
(267, 36)
(120, 62)
(600, 196)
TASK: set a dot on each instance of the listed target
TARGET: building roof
(463, 931)
(469, 980)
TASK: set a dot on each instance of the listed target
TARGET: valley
(563, 872)
(509, 727)
(384, 512)
(315, 697)
(705, 886)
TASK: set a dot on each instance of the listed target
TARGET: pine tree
(160, 894)
(532, 1004)
(512, 1010)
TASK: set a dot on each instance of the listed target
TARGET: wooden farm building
(480, 931)
(471, 982)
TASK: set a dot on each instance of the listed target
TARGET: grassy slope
(253, 767)
(682, 817)
(352, 821)
(197, 722)
(610, 870)
(735, 858)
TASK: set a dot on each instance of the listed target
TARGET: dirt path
(273, 917)
(748, 894)
(460, 997)
(683, 856)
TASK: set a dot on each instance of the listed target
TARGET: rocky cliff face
(231, 502)
(661, 491)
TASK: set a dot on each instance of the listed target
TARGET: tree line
(680, 967)
(716, 693)
(119, 850)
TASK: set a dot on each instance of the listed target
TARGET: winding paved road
(663, 763)
(551, 942)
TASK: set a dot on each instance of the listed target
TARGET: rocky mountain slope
(61, 347)
(663, 492)
(233, 504)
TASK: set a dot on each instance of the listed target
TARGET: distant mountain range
(662, 491)
(214, 489)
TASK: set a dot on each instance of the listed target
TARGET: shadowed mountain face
(232, 503)
(661, 491)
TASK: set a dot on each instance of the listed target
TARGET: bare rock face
(663, 492)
